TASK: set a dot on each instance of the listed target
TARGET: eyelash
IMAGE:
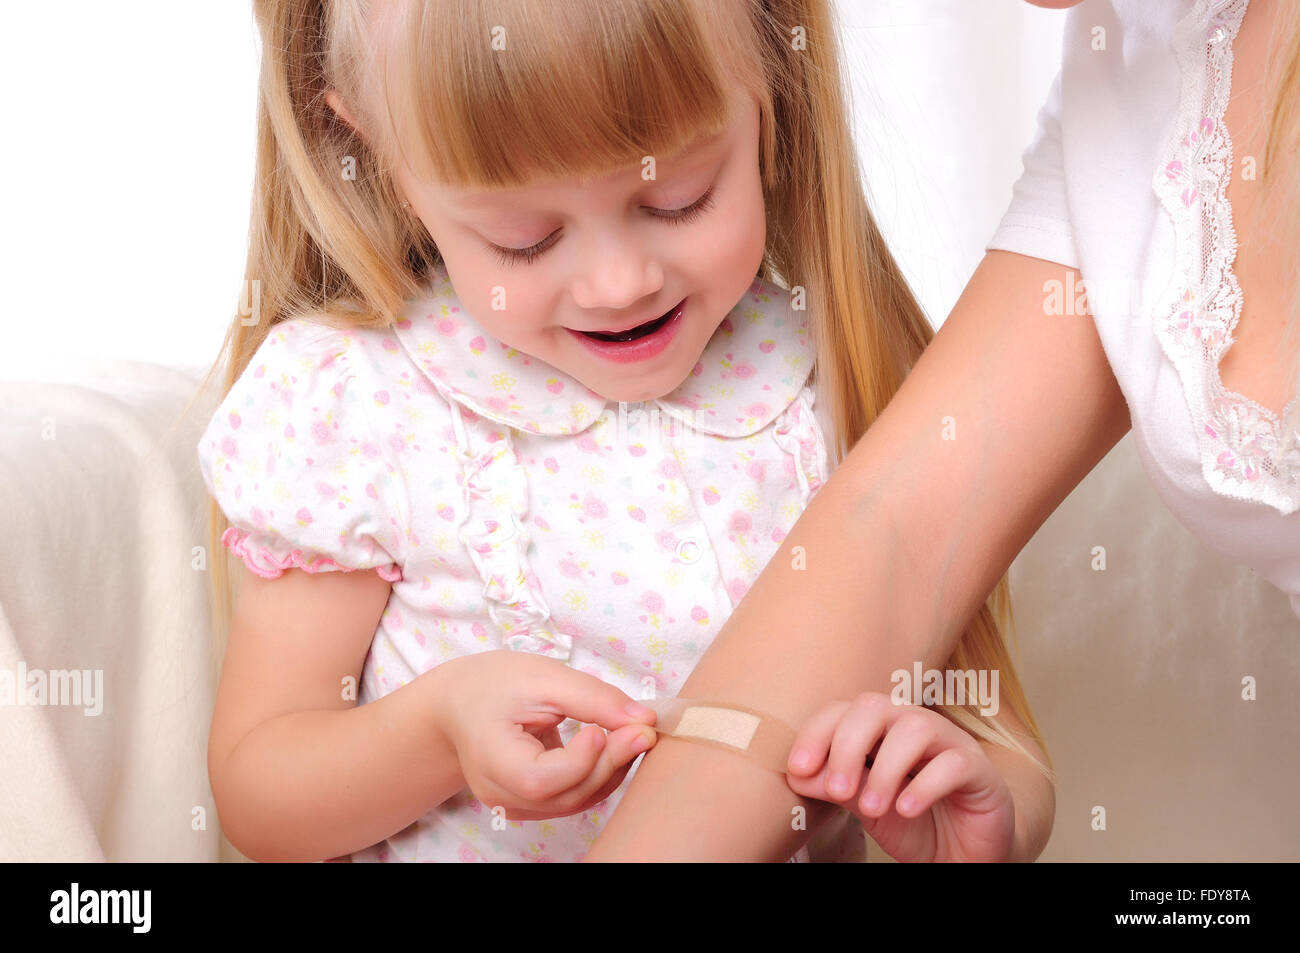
(510, 256)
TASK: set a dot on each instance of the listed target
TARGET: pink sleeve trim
(264, 563)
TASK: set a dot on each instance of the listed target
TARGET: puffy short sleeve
(292, 460)
(1037, 223)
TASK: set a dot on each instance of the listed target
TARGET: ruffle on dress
(263, 561)
(796, 431)
(497, 501)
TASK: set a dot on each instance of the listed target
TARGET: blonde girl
(478, 226)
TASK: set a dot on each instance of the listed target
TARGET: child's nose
(617, 278)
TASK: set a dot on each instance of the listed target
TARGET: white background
(129, 157)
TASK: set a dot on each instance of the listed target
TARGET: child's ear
(336, 104)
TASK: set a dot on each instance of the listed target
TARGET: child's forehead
(533, 113)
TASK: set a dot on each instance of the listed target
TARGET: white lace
(1245, 453)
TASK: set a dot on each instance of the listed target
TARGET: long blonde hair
(589, 85)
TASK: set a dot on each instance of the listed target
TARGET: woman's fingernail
(871, 802)
(838, 783)
(637, 710)
(642, 742)
(800, 759)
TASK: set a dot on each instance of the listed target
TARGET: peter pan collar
(751, 370)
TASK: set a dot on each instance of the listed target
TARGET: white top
(511, 508)
(1125, 181)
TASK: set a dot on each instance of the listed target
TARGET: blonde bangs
(506, 94)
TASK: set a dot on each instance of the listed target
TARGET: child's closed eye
(681, 216)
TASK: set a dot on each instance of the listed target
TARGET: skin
(613, 258)
(1259, 363)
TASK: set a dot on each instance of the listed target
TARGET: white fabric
(1125, 175)
(102, 510)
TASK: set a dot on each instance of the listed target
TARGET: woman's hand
(957, 807)
(500, 713)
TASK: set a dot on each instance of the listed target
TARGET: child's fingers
(607, 772)
(813, 786)
(586, 698)
(946, 773)
(813, 741)
(621, 770)
(579, 770)
(538, 775)
(913, 736)
(856, 734)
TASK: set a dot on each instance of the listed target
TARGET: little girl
(518, 346)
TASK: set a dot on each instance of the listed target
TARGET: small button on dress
(688, 550)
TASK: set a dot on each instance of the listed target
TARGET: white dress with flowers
(511, 507)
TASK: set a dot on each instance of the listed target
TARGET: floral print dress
(513, 508)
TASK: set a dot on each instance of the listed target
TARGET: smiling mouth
(631, 334)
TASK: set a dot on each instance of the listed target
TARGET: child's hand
(956, 808)
(500, 713)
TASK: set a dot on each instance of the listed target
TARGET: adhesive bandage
(760, 737)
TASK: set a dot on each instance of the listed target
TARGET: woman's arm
(902, 546)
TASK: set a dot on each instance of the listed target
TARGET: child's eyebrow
(471, 200)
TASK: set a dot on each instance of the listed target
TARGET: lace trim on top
(1244, 452)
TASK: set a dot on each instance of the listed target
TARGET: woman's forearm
(784, 652)
(900, 549)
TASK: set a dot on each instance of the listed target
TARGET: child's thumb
(586, 698)
(628, 742)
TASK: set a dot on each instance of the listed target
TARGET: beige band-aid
(734, 728)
